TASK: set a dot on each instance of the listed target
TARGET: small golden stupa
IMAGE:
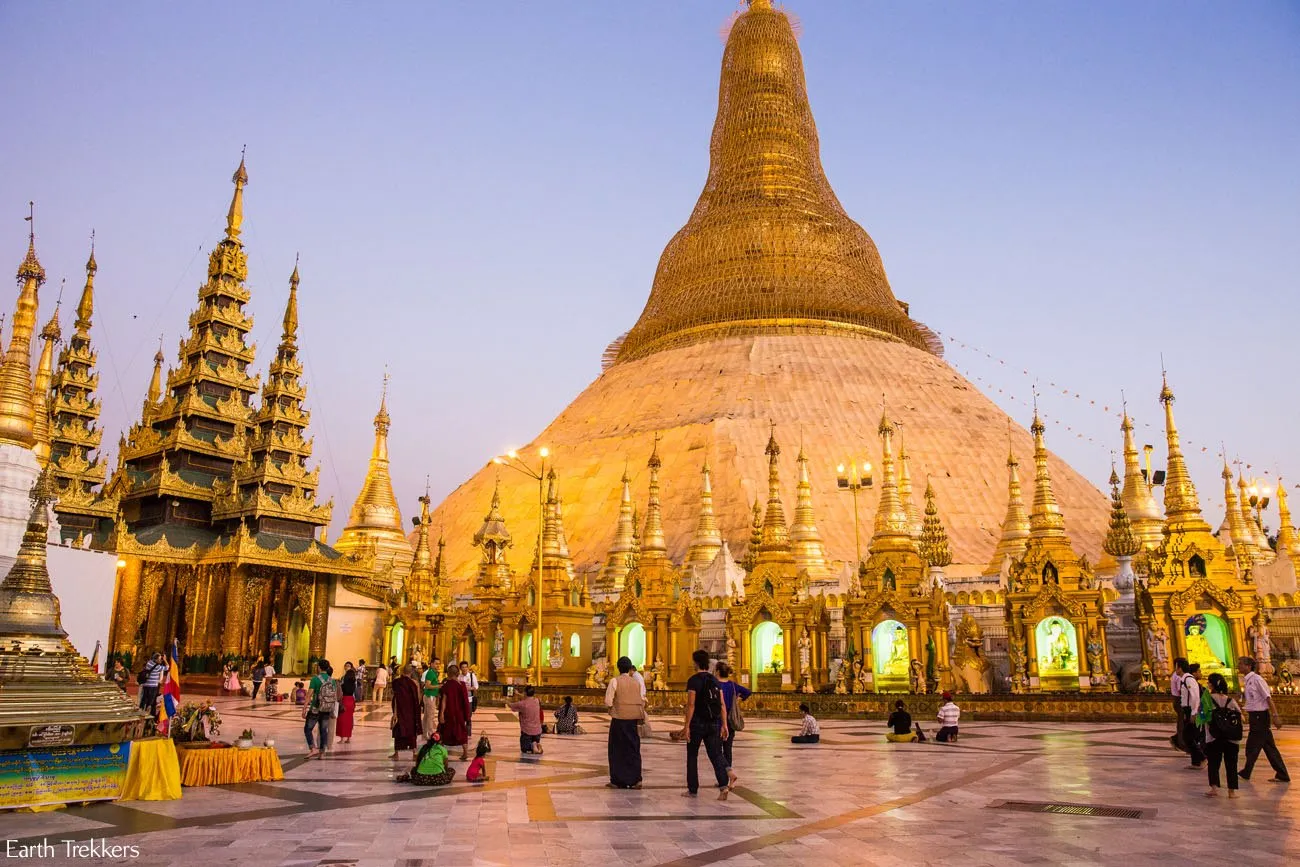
(49, 695)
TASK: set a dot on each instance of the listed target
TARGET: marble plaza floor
(851, 800)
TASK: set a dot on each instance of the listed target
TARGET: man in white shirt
(1176, 690)
(1193, 734)
(636, 675)
(1257, 699)
(949, 714)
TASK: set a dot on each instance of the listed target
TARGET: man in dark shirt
(900, 723)
(706, 722)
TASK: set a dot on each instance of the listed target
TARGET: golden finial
(776, 535)
(905, 485)
(1015, 526)
(1182, 504)
(17, 419)
(30, 573)
(934, 538)
(1286, 535)
(805, 538)
(41, 426)
(707, 541)
(1045, 517)
(291, 308)
(652, 539)
(30, 268)
(155, 382)
(235, 216)
(1120, 540)
(1242, 542)
(382, 420)
(893, 526)
(760, 4)
(622, 550)
(1144, 515)
(86, 306)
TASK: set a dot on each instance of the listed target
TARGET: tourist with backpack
(1191, 705)
(706, 723)
(319, 711)
(150, 680)
(1222, 734)
(732, 695)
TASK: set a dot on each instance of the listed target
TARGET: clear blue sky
(480, 193)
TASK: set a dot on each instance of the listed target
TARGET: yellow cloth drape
(153, 772)
(219, 767)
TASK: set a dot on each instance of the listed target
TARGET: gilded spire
(86, 306)
(1045, 519)
(934, 538)
(1182, 505)
(755, 537)
(555, 549)
(893, 529)
(1015, 526)
(775, 534)
(707, 541)
(905, 487)
(1143, 513)
(652, 539)
(290, 334)
(1242, 541)
(1120, 540)
(17, 414)
(419, 584)
(493, 538)
(50, 335)
(809, 552)
(375, 518)
(154, 394)
(768, 247)
(235, 216)
(1286, 535)
(622, 551)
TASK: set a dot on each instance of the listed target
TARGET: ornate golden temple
(772, 350)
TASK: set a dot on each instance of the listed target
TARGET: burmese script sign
(56, 735)
(33, 778)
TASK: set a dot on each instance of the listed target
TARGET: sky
(480, 193)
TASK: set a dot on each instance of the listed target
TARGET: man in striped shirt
(1260, 711)
(949, 713)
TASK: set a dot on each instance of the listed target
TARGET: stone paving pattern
(851, 800)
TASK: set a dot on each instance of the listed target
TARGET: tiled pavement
(851, 800)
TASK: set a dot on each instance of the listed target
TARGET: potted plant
(245, 739)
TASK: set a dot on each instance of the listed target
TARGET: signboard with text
(39, 777)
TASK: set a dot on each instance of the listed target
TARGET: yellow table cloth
(153, 772)
(219, 767)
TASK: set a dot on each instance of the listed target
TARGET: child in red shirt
(477, 771)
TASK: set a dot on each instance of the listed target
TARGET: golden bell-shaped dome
(768, 248)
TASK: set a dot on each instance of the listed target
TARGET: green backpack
(1207, 708)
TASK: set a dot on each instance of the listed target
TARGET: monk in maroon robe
(453, 703)
(406, 713)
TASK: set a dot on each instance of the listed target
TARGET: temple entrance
(296, 644)
(767, 646)
(890, 656)
(1208, 644)
(526, 651)
(1057, 646)
(397, 642)
(631, 643)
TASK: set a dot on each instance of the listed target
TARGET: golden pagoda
(1015, 526)
(1197, 600)
(50, 335)
(218, 514)
(75, 434)
(49, 689)
(1055, 606)
(375, 523)
(769, 306)
(1143, 514)
(17, 405)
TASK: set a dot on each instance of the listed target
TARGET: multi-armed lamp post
(512, 460)
(852, 480)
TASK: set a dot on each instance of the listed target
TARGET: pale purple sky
(480, 193)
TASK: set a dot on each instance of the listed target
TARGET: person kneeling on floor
(949, 713)
(900, 723)
(430, 765)
(810, 732)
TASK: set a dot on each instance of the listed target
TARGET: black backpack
(712, 696)
(1225, 723)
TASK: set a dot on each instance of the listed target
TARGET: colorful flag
(171, 691)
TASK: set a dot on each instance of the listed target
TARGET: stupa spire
(775, 533)
(376, 519)
(1140, 504)
(17, 414)
(809, 551)
(1120, 540)
(893, 528)
(1182, 504)
(50, 335)
(707, 541)
(1242, 541)
(1015, 526)
(652, 539)
(493, 538)
(622, 550)
(154, 393)
(419, 584)
(934, 538)
(1045, 519)
(235, 216)
(1286, 535)
(905, 487)
(768, 246)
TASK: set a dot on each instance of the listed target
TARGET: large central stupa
(770, 309)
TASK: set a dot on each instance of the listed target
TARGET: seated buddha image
(898, 657)
(1060, 656)
(778, 657)
(1198, 645)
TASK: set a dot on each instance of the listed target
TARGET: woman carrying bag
(626, 705)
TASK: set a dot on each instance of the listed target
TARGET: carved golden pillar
(127, 612)
(611, 641)
(232, 635)
(160, 611)
(319, 616)
(216, 609)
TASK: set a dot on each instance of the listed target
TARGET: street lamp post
(1259, 500)
(853, 480)
(512, 460)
